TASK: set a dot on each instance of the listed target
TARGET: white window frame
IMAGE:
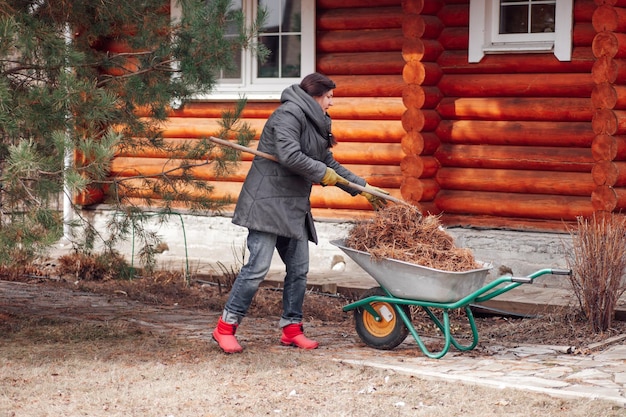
(252, 87)
(484, 37)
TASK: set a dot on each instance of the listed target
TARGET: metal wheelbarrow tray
(383, 316)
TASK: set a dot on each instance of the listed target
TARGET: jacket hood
(309, 106)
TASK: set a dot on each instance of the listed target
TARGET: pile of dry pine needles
(400, 232)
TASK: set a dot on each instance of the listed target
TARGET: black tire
(385, 334)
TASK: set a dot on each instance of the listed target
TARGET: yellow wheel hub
(387, 321)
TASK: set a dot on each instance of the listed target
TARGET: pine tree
(82, 79)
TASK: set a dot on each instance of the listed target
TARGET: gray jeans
(295, 255)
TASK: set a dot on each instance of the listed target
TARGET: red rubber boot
(294, 336)
(224, 335)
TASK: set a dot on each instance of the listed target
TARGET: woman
(274, 206)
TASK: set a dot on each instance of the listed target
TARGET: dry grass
(401, 232)
(57, 368)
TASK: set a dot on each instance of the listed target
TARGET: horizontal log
(515, 181)
(516, 85)
(345, 152)
(215, 109)
(352, 108)
(455, 62)
(605, 198)
(322, 214)
(376, 40)
(421, 97)
(386, 176)
(609, 18)
(419, 26)
(609, 96)
(609, 199)
(321, 197)
(454, 15)
(422, 73)
(604, 147)
(425, 7)
(607, 121)
(617, 3)
(416, 191)
(605, 173)
(343, 130)
(368, 86)
(583, 34)
(419, 166)
(492, 222)
(421, 50)
(368, 153)
(620, 205)
(454, 38)
(583, 10)
(420, 120)
(529, 206)
(420, 143)
(621, 148)
(360, 63)
(366, 108)
(478, 132)
(609, 44)
(516, 108)
(611, 173)
(537, 158)
(607, 69)
(359, 18)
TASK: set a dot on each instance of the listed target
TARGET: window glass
(527, 16)
(281, 36)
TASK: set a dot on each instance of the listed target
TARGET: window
(289, 34)
(509, 26)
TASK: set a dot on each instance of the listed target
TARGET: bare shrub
(598, 263)
(105, 266)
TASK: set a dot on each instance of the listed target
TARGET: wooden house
(492, 113)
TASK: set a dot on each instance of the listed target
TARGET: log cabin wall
(520, 141)
(515, 129)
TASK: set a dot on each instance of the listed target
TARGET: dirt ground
(56, 364)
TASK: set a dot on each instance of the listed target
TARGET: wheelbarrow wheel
(386, 333)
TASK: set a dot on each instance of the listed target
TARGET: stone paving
(543, 369)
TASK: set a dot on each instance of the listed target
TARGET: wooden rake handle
(273, 158)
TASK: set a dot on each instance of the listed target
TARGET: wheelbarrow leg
(445, 328)
(418, 339)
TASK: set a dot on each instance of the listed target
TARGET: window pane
(542, 18)
(269, 68)
(527, 16)
(231, 31)
(272, 23)
(291, 19)
(291, 56)
(513, 19)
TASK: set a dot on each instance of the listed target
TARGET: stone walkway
(543, 369)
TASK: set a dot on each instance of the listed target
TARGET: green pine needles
(80, 80)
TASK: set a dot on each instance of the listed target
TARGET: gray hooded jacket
(275, 196)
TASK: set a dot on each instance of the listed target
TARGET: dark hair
(316, 84)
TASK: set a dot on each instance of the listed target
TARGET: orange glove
(332, 178)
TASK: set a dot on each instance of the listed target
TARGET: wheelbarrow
(383, 315)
